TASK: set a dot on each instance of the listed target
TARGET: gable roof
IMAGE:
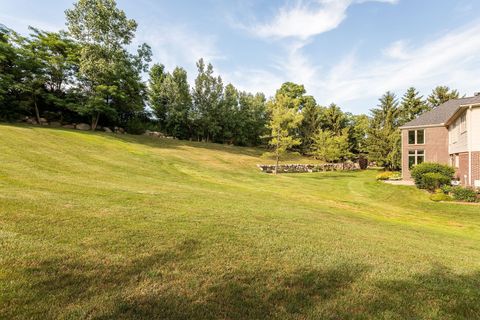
(441, 114)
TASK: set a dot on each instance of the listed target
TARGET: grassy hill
(102, 226)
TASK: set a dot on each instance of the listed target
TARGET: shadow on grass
(161, 286)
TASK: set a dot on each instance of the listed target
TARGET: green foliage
(434, 180)
(136, 126)
(464, 194)
(284, 119)
(412, 106)
(384, 139)
(432, 175)
(329, 147)
(441, 94)
(388, 175)
(110, 77)
(439, 195)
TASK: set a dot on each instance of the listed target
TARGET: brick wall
(436, 148)
(475, 166)
(462, 170)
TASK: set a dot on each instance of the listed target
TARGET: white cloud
(450, 59)
(175, 45)
(304, 20)
(397, 50)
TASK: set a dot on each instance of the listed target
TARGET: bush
(434, 180)
(135, 126)
(389, 175)
(440, 196)
(438, 175)
(384, 175)
(464, 194)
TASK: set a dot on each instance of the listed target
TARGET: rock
(119, 130)
(44, 124)
(107, 129)
(69, 126)
(147, 133)
(55, 124)
(82, 126)
(32, 121)
(99, 128)
(43, 120)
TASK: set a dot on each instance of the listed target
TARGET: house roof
(441, 114)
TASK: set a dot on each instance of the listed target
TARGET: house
(448, 134)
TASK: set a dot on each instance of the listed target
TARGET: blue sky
(343, 51)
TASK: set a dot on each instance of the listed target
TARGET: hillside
(104, 226)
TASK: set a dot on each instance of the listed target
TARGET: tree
(334, 119)
(207, 98)
(384, 136)
(441, 94)
(251, 120)
(359, 126)
(311, 123)
(284, 119)
(329, 147)
(157, 93)
(412, 106)
(110, 77)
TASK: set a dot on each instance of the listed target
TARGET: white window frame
(416, 137)
(416, 155)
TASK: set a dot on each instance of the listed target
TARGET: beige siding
(458, 137)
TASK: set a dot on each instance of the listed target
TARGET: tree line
(88, 74)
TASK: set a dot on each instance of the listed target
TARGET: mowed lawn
(103, 226)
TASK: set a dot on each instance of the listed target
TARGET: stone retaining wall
(298, 168)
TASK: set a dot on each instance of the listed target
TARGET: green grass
(97, 226)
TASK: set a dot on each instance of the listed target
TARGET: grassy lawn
(97, 226)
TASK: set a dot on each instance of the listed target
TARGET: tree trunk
(37, 112)
(95, 121)
(277, 155)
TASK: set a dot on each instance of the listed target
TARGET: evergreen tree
(333, 119)
(412, 106)
(384, 135)
(311, 123)
(441, 94)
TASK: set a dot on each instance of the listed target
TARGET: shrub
(389, 175)
(135, 126)
(440, 197)
(434, 180)
(464, 194)
(447, 189)
(443, 175)
(384, 175)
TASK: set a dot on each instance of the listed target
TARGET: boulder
(69, 126)
(43, 120)
(31, 121)
(55, 124)
(107, 129)
(119, 130)
(82, 126)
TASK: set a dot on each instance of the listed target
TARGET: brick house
(448, 134)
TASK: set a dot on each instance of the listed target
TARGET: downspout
(469, 139)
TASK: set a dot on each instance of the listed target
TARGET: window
(416, 136)
(415, 157)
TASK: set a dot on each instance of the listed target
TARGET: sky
(348, 52)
